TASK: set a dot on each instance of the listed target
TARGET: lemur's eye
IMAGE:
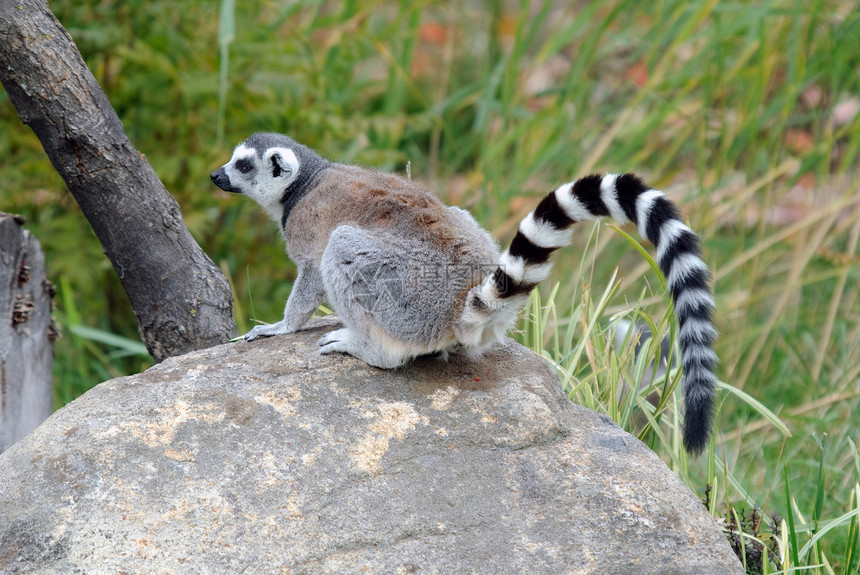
(244, 166)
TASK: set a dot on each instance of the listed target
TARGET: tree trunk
(181, 299)
(26, 334)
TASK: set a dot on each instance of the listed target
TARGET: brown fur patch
(349, 195)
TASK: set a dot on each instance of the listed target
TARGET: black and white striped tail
(624, 198)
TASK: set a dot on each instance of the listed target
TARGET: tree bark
(26, 333)
(181, 299)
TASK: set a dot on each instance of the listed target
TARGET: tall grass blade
(841, 521)
(819, 496)
(73, 317)
(849, 559)
(743, 548)
(226, 35)
(758, 406)
(123, 344)
(789, 510)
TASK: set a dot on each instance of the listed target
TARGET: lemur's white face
(262, 179)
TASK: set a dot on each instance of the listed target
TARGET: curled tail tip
(699, 415)
(697, 435)
(695, 445)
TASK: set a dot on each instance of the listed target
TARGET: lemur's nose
(220, 179)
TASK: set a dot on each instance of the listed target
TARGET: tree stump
(26, 333)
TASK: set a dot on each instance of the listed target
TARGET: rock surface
(266, 457)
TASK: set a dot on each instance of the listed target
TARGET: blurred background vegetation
(745, 113)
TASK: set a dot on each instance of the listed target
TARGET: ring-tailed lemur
(409, 275)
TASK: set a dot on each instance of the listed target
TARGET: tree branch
(181, 299)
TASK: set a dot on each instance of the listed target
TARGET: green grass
(735, 108)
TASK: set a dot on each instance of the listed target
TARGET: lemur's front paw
(267, 331)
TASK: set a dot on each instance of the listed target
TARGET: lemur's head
(269, 168)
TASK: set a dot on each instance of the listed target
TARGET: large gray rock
(265, 457)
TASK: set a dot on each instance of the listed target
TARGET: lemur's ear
(283, 162)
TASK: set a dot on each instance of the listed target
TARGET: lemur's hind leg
(366, 285)
(359, 345)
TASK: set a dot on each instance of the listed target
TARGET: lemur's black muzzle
(222, 180)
